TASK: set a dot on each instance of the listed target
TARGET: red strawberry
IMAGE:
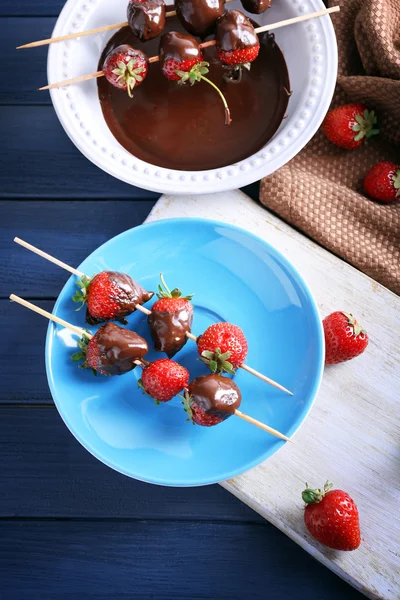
(125, 67)
(331, 517)
(236, 41)
(111, 351)
(344, 338)
(170, 320)
(163, 379)
(223, 347)
(382, 182)
(109, 296)
(181, 60)
(211, 399)
(348, 126)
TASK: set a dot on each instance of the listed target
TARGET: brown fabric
(320, 190)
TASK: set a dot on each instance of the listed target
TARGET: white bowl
(311, 55)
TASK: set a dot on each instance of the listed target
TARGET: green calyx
(141, 387)
(197, 73)
(187, 405)
(313, 496)
(365, 125)
(396, 182)
(358, 330)
(165, 292)
(217, 362)
(81, 355)
(128, 74)
(81, 293)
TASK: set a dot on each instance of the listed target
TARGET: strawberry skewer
(148, 312)
(153, 59)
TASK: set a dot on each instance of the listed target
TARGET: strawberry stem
(228, 119)
(313, 496)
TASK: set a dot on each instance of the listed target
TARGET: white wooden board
(352, 435)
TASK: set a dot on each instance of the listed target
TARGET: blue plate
(235, 277)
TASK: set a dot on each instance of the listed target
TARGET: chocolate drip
(235, 32)
(146, 19)
(118, 348)
(178, 46)
(256, 7)
(128, 295)
(216, 395)
(168, 330)
(199, 16)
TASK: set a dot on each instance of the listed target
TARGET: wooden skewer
(313, 15)
(142, 309)
(241, 415)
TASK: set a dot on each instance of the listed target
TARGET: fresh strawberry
(181, 60)
(382, 182)
(236, 41)
(348, 126)
(344, 338)
(110, 296)
(211, 399)
(126, 67)
(111, 351)
(170, 319)
(331, 517)
(223, 347)
(163, 379)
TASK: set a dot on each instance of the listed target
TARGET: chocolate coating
(199, 16)
(168, 329)
(146, 19)
(256, 7)
(118, 348)
(178, 46)
(216, 395)
(182, 127)
(235, 32)
(129, 294)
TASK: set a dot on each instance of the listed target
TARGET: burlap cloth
(320, 190)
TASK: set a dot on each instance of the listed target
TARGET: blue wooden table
(70, 526)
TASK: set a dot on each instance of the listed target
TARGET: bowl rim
(257, 461)
(282, 147)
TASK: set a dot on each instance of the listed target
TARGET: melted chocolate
(256, 7)
(129, 293)
(216, 395)
(182, 127)
(146, 19)
(168, 329)
(235, 32)
(179, 47)
(199, 16)
(118, 348)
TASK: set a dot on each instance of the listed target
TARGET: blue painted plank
(148, 560)
(39, 454)
(38, 8)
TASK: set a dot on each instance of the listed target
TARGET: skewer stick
(48, 315)
(141, 308)
(278, 25)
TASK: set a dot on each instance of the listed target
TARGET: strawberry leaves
(81, 294)
(217, 362)
(313, 496)
(165, 292)
(187, 405)
(356, 326)
(81, 354)
(195, 73)
(365, 125)
(141, 387)
(127, 73)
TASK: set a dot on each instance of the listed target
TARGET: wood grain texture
(45, 472)
(163, 561)
(352, 434)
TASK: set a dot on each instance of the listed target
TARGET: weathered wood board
(352, 435)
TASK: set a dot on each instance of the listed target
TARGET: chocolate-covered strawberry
(111, 351)
(109, 296)
(223, 347)
(125, 67)
(236, 41)
(181, 60)
(163, 379)
(199, 16)
(256, 7)
(211, 399)
(170, 319)
(146, 18)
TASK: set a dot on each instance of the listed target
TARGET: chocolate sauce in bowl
(183, 127)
